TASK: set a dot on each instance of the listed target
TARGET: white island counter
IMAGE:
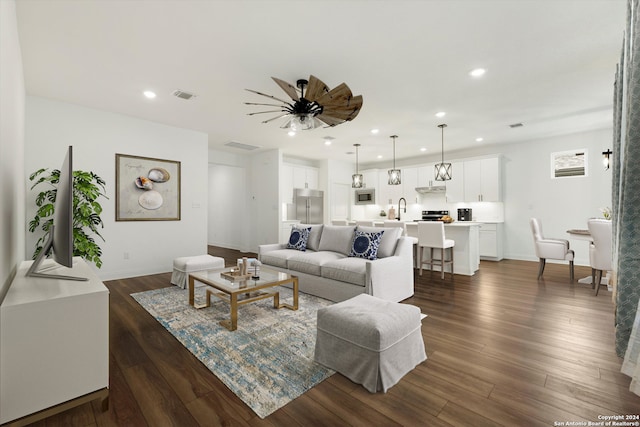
(466, 252)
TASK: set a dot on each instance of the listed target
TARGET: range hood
(431, 189)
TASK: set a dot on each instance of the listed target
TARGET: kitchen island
(466, 253)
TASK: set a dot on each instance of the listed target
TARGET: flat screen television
(60, 241)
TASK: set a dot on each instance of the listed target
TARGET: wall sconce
(606, 158)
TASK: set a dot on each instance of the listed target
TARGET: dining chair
(550, 248)
(431, 235)
(600, 255)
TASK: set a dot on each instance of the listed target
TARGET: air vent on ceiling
(183, 95)
(241, 146)
(516, 125)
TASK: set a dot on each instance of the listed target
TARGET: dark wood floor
(503, 347)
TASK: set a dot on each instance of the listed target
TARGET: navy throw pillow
(365, 245)
(298, 238)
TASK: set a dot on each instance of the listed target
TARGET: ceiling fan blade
(330, 121)
(268, 96)
(340, 92)
(263, 112)
(315, 89)
(275, 118)
(346, 111)
(268, 105)
(288, 88)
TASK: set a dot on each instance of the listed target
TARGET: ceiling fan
(314, 104)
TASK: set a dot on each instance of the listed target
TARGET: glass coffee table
(237, 292)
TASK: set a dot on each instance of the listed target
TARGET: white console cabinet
(54, 344)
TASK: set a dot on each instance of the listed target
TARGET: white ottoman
(184, 265)
(369, 340)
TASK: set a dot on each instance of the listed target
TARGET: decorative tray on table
(235, 276)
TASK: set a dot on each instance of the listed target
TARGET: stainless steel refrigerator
(309, 205)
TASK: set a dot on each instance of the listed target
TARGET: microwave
(366, 196)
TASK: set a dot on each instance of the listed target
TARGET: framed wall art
(147, 189)
(569, 163)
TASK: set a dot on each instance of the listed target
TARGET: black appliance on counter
(464, 214)
(433, 215)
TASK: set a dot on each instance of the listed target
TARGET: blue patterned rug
(267, 362)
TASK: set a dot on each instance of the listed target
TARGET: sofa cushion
(298, 238)
(279, 257)
(313, 242)
(389, 239)
(350, 270)
(336, 238)
(365, 245)
(310, 262)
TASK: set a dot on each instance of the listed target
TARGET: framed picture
(147, 189)
(571, 163)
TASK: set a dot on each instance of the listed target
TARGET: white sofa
(325, 268)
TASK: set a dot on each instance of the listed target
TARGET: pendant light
(356, 178)
(443, 170)
(394, 174)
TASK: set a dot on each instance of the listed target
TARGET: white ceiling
(550, 65)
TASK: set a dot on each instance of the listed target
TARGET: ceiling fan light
(443, 171)
(302, 122)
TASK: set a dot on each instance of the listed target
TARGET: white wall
(244, 199)
(96, 137)
(561, 204)
(12, 185)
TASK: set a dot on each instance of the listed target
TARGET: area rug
(266, 362)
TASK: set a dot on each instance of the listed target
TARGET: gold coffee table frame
(241, 292)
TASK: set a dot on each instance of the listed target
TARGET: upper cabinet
(305, 177)
(455, 186)
(296, 176)
(482, 180)
(393, 193)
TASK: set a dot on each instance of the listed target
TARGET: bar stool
(401, 224)
(431, 235)
(365, 222)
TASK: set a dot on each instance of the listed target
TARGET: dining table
(583, 234)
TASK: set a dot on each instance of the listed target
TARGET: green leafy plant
(87, 188)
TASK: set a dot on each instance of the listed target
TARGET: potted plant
(87, 188)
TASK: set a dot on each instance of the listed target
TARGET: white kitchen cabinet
(409, 184)
(296, 176)
(427, 176)
(370, 179)
(305, 177)
(491, 241)
(455, 186)
(388, 192)
(482, 180)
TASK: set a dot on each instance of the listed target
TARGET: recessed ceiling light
(479, 139)
(441, 114)
(328, 139)
(423, 149)
(379, 156)
(477, 72)
(291, 133)
(375, 131)
(149, 94)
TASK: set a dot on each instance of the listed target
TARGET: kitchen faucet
(405, 206)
